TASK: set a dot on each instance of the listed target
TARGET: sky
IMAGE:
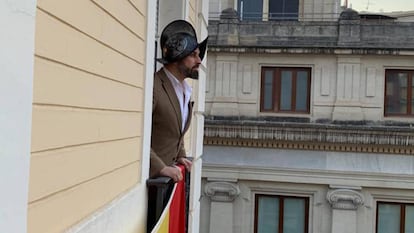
(381, 5)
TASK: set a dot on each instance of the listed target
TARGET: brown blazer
(167, 144)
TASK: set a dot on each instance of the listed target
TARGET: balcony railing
(294, 134)
(261, 16)
(160, 191)
(350, 32)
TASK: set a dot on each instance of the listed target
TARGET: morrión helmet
(178, 40)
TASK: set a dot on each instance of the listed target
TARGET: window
(285, 89)
(251, 10)
(283, 9)
(281, 214)
(395, 217)
(399, 93)
(277, 9)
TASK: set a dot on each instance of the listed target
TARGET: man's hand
(173, 172)
(187, 163)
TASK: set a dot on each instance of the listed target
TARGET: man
(171, 106)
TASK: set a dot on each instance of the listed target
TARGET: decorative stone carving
(222, 191)
(345, 199)
(326, 136)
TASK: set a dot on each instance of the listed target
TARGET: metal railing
(270, 16)
(159, 192)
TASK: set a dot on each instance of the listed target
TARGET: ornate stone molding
(222, 191)
(345, 199)
(308, 136)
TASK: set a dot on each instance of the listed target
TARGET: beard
(194, 74)
(188, 72)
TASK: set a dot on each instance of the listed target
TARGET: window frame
(268, 15)
(402, 213)
(410, 81)
(281, 209)
(276, 89)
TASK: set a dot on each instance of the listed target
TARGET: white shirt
(183, 91)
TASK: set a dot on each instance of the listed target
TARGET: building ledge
(360, 36)
(316, 49)
(370, 137)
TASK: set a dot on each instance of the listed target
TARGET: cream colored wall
(233, 87)
(87, 108)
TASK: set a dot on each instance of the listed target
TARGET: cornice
(312, 137)
(310, 176)
(309, 50)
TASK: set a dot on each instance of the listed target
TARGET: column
(222, 195)
(345, 202)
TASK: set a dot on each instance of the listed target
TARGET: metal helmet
(178, 40)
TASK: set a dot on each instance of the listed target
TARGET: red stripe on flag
(177, 208)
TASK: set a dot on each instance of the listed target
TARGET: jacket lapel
(172, 96)
(190, 112)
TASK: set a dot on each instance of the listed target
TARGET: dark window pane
(396, 93)
(283, 9)
(286, 91)
(268, 90)
(294, 215)
(409, 219)
(388, 218)
(301, 91)
(276, 9)
(250, 10)
(268, 215)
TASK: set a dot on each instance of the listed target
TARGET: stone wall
(348, 32)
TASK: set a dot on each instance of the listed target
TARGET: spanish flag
(172, 219)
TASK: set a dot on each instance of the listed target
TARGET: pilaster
(225, 100)
(345, 202)
(222, 195)
(348, 106)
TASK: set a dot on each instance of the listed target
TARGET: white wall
(17, 21)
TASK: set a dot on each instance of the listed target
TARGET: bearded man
(171, 106)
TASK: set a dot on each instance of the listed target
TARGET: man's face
(189, 65)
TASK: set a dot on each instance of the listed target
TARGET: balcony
(168, 204)
(358, 34)
(301, 134)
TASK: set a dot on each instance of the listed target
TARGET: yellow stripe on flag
(165, 223)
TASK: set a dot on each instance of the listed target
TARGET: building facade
(76, 112)
(309, 120)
